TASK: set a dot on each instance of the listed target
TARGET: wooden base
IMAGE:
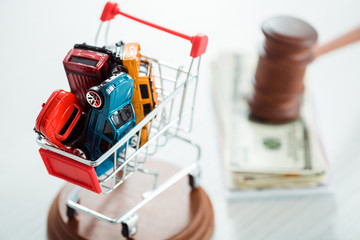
(178, 213)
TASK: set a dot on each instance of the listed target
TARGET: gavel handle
(339, 42)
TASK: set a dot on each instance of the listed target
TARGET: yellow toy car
(145, 97)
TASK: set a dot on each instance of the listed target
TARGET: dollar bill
(282, 149)
(258, 155)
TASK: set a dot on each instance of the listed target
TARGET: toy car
(88, 66)
(61, 120)
(145, 96)
(110, 118)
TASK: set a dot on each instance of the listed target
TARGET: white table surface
(36, 35)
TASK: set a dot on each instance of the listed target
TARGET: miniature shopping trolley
(171, 119)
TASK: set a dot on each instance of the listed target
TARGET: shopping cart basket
(172, 118)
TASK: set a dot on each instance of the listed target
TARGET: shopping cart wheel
(192, 181)
(70, 212)
(129, 226)
(194, 178)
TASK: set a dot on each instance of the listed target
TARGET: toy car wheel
(134, 140)
(119, 69)
(80, 153)
(94, 99)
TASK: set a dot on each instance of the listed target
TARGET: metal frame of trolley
(166, 121)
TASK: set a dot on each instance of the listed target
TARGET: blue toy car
(110, 118)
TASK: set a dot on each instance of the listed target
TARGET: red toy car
(61, 120)
(87, 66)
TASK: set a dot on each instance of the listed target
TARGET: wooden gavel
(278, 85)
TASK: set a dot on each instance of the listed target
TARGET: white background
(36, 35)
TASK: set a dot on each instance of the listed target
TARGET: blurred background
(36, 36)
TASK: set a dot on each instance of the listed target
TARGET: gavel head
(278, 84)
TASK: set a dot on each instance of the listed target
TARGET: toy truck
(88, 66)
(61, 120)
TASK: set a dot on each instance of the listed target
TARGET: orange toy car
(145, 97)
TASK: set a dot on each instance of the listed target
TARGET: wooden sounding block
(178, 213)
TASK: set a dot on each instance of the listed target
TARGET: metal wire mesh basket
(171, 118)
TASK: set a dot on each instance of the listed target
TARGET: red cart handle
(199, 42)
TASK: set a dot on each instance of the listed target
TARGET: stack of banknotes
(257, 155)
